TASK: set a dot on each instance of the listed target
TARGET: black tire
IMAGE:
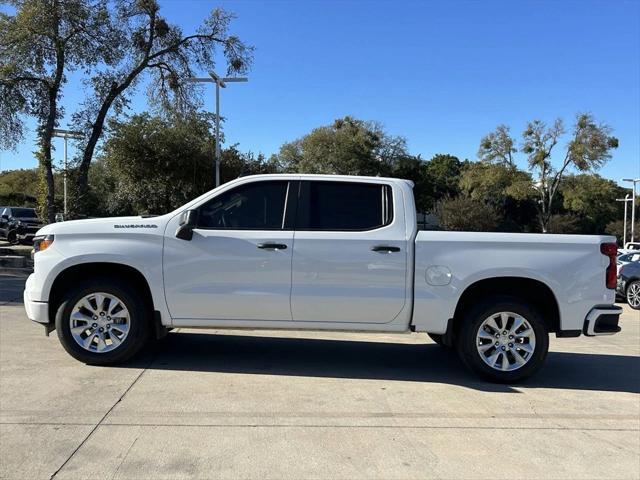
(467, 338)
(12, 237)
(436, 337)
(139, 321)
(632, 287)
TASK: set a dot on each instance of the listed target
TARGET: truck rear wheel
(503, 340)
(102, 322)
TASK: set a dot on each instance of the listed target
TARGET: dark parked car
(629, 283)
(19, 224)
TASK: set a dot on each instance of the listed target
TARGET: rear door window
(344, 206)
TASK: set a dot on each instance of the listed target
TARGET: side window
(254, 206)
(344, 206)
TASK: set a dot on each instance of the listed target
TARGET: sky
(440, 73)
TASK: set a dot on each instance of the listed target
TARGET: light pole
(626, 201)
(66, 134)
(220, 82)
(633, 205)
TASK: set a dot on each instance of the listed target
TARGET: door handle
(385, 248)
(272, 246)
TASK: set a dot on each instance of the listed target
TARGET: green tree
(616, 228)
(466, 214)
(592, 199)
(148, 44)
(505, 188)
(347, 147)
(234, 164)
(442, 173)
(589, 147)
(498, 147)
(19, 187)
(39, 45)
(156, 163)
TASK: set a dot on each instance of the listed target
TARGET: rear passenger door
(349, 253)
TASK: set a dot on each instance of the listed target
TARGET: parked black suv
(19, 224)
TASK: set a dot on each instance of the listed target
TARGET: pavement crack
(126, 454)
(100, 422)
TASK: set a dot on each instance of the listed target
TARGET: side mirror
(6, 217)
(188, 221)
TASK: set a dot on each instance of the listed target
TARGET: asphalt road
(239, 404)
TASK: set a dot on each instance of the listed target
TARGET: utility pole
(220, 82)
(626, 201)
(633, 205)
(66, 134)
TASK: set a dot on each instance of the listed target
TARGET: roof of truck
(330, 177)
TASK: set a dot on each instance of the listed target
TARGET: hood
(108, 225)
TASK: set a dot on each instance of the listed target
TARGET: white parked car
(314, 252)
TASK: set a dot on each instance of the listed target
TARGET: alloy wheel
(99, 322)
(633, 295)
(505, 341)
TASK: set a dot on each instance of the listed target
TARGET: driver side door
(237, 266)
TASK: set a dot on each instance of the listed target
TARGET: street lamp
(220, 82)
(633, 205)
(66, 134)
(626, 201)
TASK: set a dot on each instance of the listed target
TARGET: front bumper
(602, 321)
(36, 311)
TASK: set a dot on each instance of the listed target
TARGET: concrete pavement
(241, 404)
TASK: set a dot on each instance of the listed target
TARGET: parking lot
(248, 404)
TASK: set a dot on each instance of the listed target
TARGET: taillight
(611, 251)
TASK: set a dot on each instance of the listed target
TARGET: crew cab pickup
(318, 252)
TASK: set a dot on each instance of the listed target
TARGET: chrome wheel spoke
(525, 347)
(87, 305)
(517, 323)
(505, 362)
(482, 334)
(491, 323)
(80, 330)
(88, 341)
(504, 318)
(120, 327)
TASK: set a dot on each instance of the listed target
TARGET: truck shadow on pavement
(427, 363)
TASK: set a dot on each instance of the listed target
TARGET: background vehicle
(629, 283)
(19, 224)
(625, 258)
(629, 247)
(314, 252)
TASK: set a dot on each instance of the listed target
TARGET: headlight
(42, 242)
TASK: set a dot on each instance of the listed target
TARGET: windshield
(23, 213)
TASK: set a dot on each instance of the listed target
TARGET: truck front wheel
(102, 322)
(503, 340)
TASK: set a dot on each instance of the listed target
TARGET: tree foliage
(39, 45)
(148, 44)
(347, 147)
(467, 214)
(157, 164)
(588, 149)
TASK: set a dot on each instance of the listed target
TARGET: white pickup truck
(317, 252)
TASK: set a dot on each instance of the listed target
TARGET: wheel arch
(74, 273)
(526, 289)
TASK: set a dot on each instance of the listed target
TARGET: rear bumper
(602, 321)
